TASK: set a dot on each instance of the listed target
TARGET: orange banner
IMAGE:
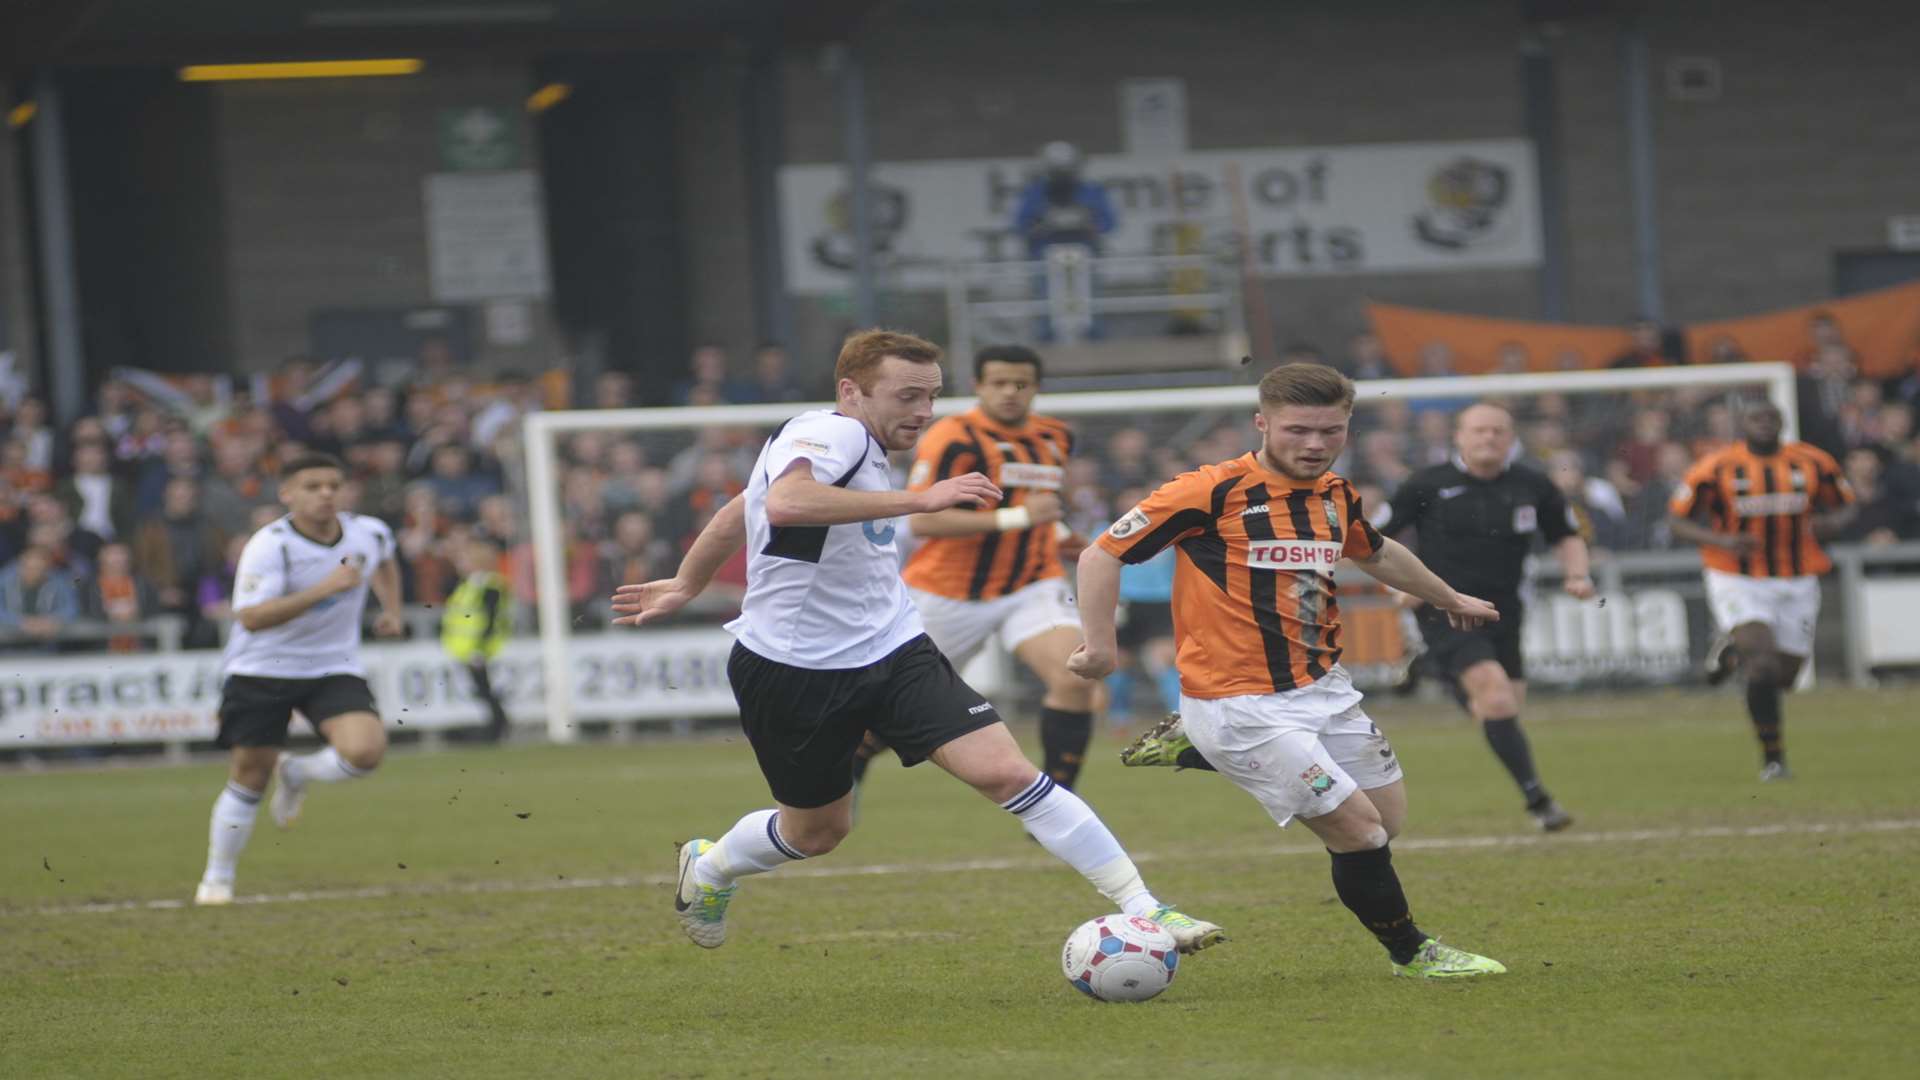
(1883, 328)
(1478, 342)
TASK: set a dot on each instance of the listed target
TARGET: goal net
(618, 494)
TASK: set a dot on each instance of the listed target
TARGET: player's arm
(1563, 533)
(1098, 595)
(386, 589)
(1392, 565)
(1172, 513)
(1686, 528)
(725, 535)
(256, 609)
(1575, 566)
(1040, 508)
(1692, 502)
(797, 498)
(1833, 495)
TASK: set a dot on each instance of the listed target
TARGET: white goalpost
(543, 432)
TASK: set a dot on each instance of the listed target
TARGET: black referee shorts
(255, 710)
(1452, 651)
(804, 724)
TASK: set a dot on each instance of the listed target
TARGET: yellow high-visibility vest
(467, 627)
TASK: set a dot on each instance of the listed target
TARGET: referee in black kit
(1476, 517)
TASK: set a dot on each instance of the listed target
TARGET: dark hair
(1305, 384)
(300, 463)
(1007, 354)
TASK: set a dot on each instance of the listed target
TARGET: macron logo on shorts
(978, 709)
(1318, 556)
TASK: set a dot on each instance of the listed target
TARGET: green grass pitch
(480, 913)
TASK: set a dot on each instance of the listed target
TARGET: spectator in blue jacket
(34, 600)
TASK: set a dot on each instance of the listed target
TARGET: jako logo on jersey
(1257, 508)
(880, 537)
(1318, 556)
(1786, 502)
(1023, 474)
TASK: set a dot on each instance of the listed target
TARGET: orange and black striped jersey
(1772, 499)
(1032, 457)
(1253, 596)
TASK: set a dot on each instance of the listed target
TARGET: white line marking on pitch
(1438, 843)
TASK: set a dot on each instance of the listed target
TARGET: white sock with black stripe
(753, 846)
(324, 766)
(227, 835)
(1066, 826)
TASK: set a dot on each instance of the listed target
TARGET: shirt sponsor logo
(812, 446)
(1786, 502)
(1019, 474)
(1450, 492)
(1318, 556)
(1134, 520)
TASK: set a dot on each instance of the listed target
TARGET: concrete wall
(1815, 141)
(324, 207)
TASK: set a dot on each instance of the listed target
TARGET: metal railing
(1062, 296)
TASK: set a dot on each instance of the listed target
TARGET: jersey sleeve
(1831, 490)
(833, 445)
(948, 450)
(1179, 508)
(1696, 491)
(262, 573)
(1556, 517)
(1363, 541)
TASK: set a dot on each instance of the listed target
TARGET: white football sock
(324, 766)
(227, 835)
(752, 846)
(1066, 826)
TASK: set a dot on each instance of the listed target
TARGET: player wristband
(1012, 518)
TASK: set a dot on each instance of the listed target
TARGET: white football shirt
(823, 596)
(324, 639)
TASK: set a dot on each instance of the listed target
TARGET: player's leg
(959, 628)
(1768, 674)
(1494, 699)
(254, 714)
(933, 715)
(803, 726)
(989, 760)
(341, 709)
(1066, 710)
(1752, 613)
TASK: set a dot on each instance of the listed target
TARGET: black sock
(1063, 740)
(1763, 704)
(1191, 758)
(1510, 746)
(1371, 890)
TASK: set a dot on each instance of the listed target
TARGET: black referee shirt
(1475, 533)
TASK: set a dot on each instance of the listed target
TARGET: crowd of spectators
(141, 507)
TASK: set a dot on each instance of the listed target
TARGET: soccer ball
(1120, 958)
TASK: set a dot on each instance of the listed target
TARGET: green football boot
(1162, 744)
(1437, 961)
